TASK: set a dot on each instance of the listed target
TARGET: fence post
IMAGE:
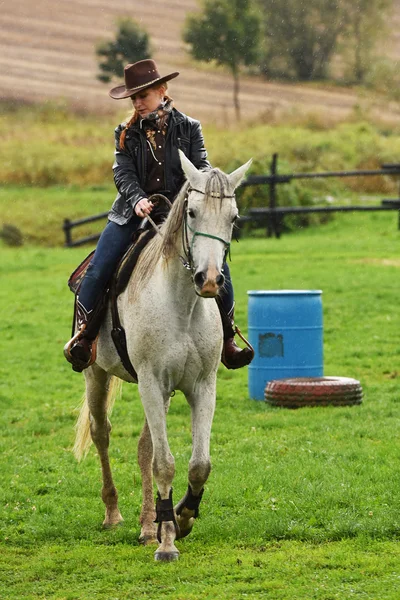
(272, 225)
(67, 231)
(398, 212)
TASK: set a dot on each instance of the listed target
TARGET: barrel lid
(284, 292)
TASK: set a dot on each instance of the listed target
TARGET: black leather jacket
(129, 167)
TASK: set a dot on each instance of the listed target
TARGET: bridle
(187, 259)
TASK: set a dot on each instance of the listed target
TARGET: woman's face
(148, 100)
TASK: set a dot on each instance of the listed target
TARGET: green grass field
(300, 504)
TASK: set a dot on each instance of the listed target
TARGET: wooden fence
(69, 225)
(272, 216)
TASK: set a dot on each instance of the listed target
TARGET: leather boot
(232, 356)
(80, 351)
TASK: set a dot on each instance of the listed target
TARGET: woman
(146, 162)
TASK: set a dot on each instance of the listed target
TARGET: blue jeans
(111, 246)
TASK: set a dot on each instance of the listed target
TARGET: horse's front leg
(155, 403)
(97, 391)
(202, 403)
(148, 533)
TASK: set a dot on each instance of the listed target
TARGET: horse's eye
(191, 213)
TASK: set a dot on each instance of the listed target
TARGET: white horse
(174, 339)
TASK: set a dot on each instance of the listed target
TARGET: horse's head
(210, 214)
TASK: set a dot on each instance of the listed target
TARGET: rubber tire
(313, 391)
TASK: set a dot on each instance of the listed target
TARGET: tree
(367, 23)
(131, 44)
(227, 32)
(301, 36)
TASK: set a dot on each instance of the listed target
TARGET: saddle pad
(75, 279)
(124, 269)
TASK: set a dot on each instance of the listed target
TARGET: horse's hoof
(185, 524)
(166, 556)
(147, 540)
(184, 529)
(107, 525)
(184, 532)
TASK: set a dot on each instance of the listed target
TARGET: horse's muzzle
(208, 284)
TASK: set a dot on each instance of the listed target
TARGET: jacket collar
(174, 118)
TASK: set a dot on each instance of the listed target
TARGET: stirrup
(240, 334)
(237, 357)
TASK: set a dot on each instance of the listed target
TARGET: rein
(187, 261)
(155, 198)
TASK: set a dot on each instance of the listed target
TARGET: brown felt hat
(139, 76)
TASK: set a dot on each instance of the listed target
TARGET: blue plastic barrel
(286, 332)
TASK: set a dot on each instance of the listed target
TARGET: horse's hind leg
(97, 394)
(203, 405)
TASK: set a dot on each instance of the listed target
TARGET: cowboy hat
(139, 76)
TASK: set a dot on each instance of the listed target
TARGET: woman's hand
(143, 207)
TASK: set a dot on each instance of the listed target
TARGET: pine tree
(130, 45)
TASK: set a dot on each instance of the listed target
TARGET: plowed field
(47, 52)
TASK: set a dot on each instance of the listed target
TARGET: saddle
(124, 268)
(117, 285)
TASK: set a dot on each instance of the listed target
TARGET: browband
(212, 194)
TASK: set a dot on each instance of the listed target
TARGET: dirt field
(47, 52)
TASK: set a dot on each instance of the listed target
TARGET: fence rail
(273, 218)
(273, 215)
(69, 225)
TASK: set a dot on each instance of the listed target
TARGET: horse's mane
(168, 243)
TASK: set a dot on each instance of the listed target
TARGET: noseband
(187, 261)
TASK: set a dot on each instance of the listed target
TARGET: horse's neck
(180, 286)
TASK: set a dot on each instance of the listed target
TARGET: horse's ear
(236, 176)
(192, 174)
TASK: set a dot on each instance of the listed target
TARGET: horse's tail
(83, 439)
